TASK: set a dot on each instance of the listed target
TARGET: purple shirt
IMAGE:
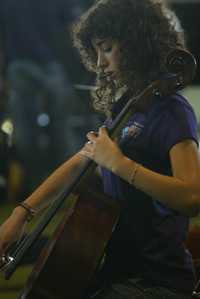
(149, 237)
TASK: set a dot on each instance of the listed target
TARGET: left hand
(102, 149)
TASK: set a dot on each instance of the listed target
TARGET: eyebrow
(100, 42)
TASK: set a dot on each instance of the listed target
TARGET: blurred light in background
(43, 120)
(7, 126)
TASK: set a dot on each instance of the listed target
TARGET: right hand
(12, 228)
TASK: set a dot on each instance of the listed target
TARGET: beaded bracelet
(31, 212)
(133, 175)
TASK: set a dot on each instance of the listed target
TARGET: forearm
(173, 192)
(56, 183)
(12, 228)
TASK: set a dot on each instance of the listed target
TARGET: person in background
(34, 37)
(153, 170)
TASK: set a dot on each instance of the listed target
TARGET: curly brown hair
(146, 31)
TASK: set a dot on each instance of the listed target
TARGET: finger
(92, 136)
(103, 130)
(93, 133)
(4, 248)
(1, 252)
(88, 146)
(87, 154)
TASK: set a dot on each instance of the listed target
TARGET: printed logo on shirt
(133, 130)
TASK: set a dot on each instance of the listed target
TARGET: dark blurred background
(45, 117)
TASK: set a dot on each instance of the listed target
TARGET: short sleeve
(177, 123)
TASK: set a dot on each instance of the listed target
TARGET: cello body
(66, 266)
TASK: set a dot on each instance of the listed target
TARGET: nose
(101, 60)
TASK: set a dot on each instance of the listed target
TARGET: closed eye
(107, 49)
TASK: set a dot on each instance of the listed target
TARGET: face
(108, 56)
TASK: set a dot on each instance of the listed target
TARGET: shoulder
(174, 108)
(178, 101)
(173, 121)
(174, 103)
(181, 113)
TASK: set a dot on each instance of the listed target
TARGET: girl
(154, 172)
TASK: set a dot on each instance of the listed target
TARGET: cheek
(116, 60)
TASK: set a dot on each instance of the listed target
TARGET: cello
(76, 250)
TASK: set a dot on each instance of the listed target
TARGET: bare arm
(47, 191)
(180, 192)
(57, 182)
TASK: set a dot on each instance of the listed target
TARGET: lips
(107, 75)
(110, 75)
